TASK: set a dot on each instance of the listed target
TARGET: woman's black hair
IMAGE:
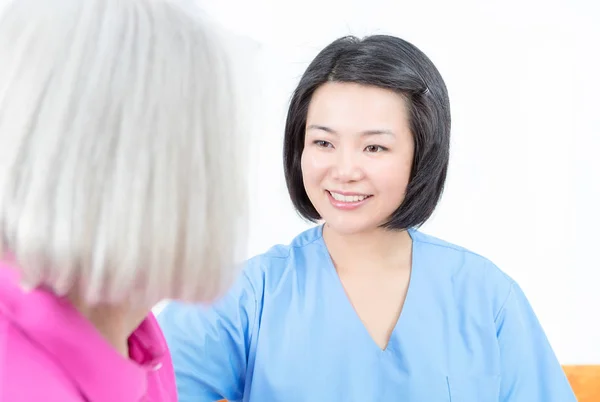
(386, 62)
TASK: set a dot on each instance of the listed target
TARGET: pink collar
(94, 366)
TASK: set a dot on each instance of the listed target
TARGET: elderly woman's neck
(115, 323)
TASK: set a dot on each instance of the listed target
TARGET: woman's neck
(376, 250)
(114, 323)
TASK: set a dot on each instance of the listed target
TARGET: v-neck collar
(407, 306)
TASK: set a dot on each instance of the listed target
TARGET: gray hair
(120, 163)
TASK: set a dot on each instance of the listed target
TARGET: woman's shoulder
(22, 364)
(467, 271)
(280, 258)
(305, 240)
(455, 258)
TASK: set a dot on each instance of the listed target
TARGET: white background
(524, 181)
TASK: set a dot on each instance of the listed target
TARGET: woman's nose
(347, 167)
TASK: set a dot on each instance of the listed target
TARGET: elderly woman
(119, 184)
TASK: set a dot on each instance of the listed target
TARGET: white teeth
(347, 198)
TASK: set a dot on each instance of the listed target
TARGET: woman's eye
(375, 148)
(323, 144)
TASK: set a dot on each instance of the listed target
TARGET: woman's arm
(209, 345)
(529, 368)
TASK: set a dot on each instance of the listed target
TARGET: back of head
(120, 168)
(386, 62)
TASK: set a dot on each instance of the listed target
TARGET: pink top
(49, 352)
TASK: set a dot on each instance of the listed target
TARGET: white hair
(120, 163)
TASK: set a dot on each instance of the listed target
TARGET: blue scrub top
(286, 332)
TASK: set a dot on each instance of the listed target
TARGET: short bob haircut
(391, 63)
(120, 164)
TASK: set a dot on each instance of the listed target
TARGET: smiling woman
(358, 152)
(365, 307)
